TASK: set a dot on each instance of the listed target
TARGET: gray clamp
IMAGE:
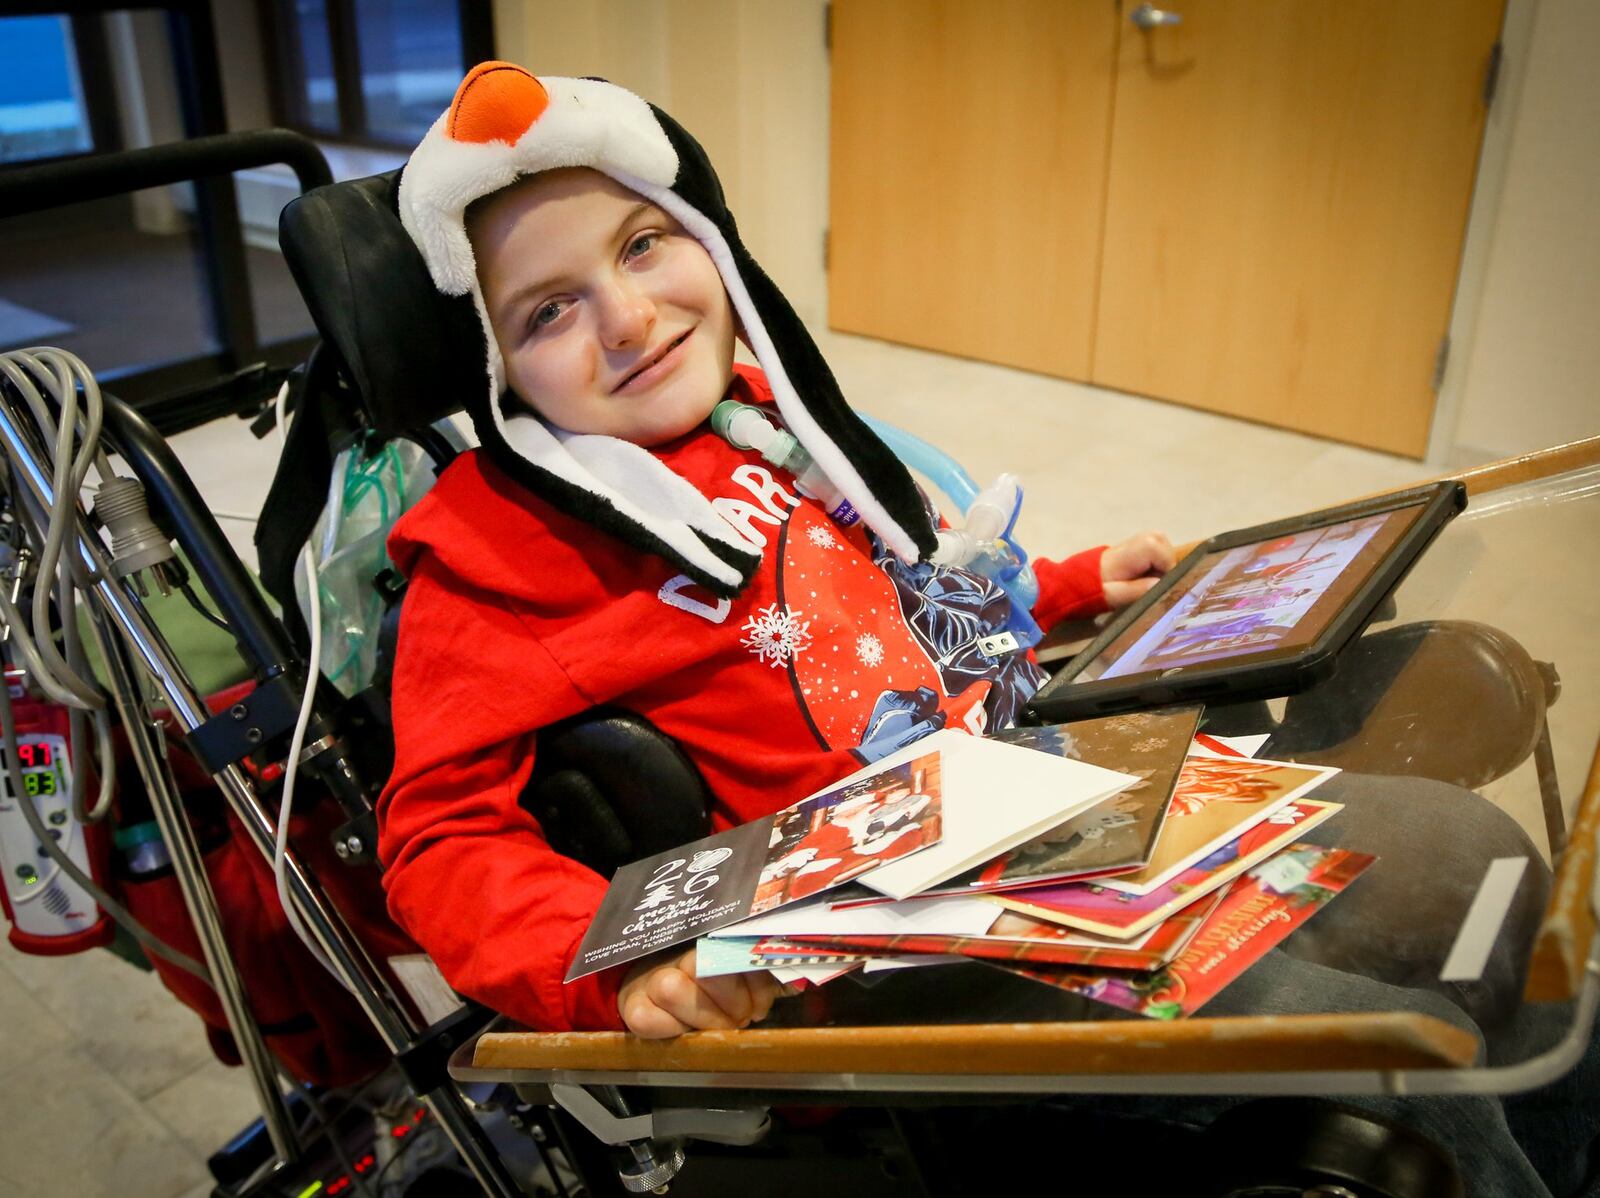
(742, 1125)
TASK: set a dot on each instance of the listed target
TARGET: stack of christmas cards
(1156, 923)
(1252, 916)
(902, 825)
(1131, 859)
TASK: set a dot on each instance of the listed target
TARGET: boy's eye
(547, 313)
(641, 245)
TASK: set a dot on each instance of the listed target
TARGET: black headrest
(408, 351)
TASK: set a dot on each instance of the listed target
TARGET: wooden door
(968, 175)
(1287, 198)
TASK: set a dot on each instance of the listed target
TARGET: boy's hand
(1130, 568)
(663, 998)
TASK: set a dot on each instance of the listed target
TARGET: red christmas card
(1259, 912)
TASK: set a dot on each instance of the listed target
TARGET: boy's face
(611, 319)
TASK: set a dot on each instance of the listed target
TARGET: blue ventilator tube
(1008, 565)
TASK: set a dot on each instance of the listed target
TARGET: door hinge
(1440, 361)
(1491, 73)
(827, 248)
(827, 27)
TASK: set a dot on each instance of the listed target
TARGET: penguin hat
(505, 124)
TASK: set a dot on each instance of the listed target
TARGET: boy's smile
(610, 318)
(657, 365)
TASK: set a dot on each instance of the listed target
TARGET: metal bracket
(739, 1125)
(356, 841)
(999, 644)
(425, 1062)
(1441, 361)
(265, 713)
(1491, 73)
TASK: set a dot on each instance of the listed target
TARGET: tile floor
(135, 1102)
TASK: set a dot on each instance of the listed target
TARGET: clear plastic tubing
(747, 427)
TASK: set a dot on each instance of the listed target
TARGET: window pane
(312, 49)
(410, 64)
(280, 312)
(118, 282)
(42, 113)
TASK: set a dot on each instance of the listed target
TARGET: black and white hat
(504, 124)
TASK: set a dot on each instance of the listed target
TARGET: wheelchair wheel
(1289, 1148)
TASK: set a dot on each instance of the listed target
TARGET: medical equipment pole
(349, 959)
(198, 897)
(256, 632)
(179, 837)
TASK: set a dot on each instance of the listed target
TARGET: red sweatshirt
(518, 615)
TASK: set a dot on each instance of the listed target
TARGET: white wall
(1531, 367)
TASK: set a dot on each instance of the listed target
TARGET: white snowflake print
(869, 649)
(822, 537)
(777, 635)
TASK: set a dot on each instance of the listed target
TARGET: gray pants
(1378, 947)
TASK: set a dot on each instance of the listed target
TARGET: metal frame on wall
(242, 371)
(286, 77)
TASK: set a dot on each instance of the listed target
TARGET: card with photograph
(1216, 799)
(839, 835)
(1095, 908)
(1117, 835)
(820, 842)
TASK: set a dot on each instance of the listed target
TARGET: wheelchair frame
(422, 1053)
(280, 671)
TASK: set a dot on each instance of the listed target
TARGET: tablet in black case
(1256, 613)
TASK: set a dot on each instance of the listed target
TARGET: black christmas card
(818, 843)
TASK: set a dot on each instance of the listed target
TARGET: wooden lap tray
(1251, 1044)
(1024, 1038)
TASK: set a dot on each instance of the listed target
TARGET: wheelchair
(608, 788)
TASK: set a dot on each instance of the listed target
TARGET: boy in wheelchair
(777, 647)
(605, 546)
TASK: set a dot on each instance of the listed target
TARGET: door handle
(1148, 16)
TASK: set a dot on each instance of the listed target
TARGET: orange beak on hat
(497, 101)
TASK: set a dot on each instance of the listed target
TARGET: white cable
(68, 680)
(291, 771)
(60, 373)
(56, 372)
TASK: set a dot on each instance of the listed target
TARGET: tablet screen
(1263, 598)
